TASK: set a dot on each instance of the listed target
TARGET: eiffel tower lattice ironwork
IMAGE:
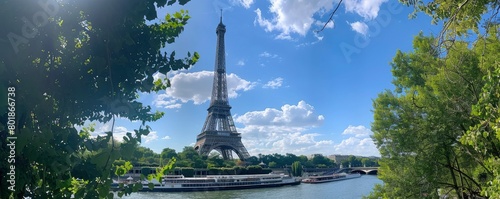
(219, 132)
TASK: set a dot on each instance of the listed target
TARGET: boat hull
(352, 176)
(215, 183)
(218, 188)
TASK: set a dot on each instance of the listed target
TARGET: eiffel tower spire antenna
(219, 132)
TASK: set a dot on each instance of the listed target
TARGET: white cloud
(296, 17)
(368, 9)
(240, 63)
(244, 3)
(120, 131)
(268, 55)
(153, 135)
(279, 139)
(357, 131)
(318, 37)
(300, 115)
(359, 143)
(266, 138)
(197, 87)
(165, 101)
(289, 17)
(360, 27)
(166, 138)
(274, 84)
(330, 24)
(282, 131)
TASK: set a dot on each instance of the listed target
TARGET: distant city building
(374, 157)
(314, 155)
(338, 158)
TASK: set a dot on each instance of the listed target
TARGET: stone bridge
(361, 170)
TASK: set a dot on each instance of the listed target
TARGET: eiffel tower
(219, 132)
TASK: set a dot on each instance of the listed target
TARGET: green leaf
(183, 2)
(100, 159)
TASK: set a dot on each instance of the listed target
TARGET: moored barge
(330, 178)
(179, 183)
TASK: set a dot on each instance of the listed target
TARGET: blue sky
(292, 90)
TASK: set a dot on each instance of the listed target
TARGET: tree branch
(331, 17)
(448, 23)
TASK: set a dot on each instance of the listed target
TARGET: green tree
(309, 164)
(215, 159)
(289, 159)
(368, 162)
(438, 126)
(71, 62)
(345, 163)
(365, 161)
(354, 161)
(321, 160)
(302, 159)
(231, 163)
(273, 165)
(190, 158)
(183, 163)
(143, 156)
(238, 170)
(484, 137)
(253, 160)
(254, 169)
(296, 168)
(418, 126)
(460, 18)
(168, 153)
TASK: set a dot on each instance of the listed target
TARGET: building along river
(353, 188)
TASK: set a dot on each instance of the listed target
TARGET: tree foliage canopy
(459, 18)
(71, 62)
(437, 131)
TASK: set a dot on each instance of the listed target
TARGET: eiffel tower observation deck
(219, 132)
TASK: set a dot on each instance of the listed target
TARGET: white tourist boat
(330, 178)
(179, 183)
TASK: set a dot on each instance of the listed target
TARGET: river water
(353, 188)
